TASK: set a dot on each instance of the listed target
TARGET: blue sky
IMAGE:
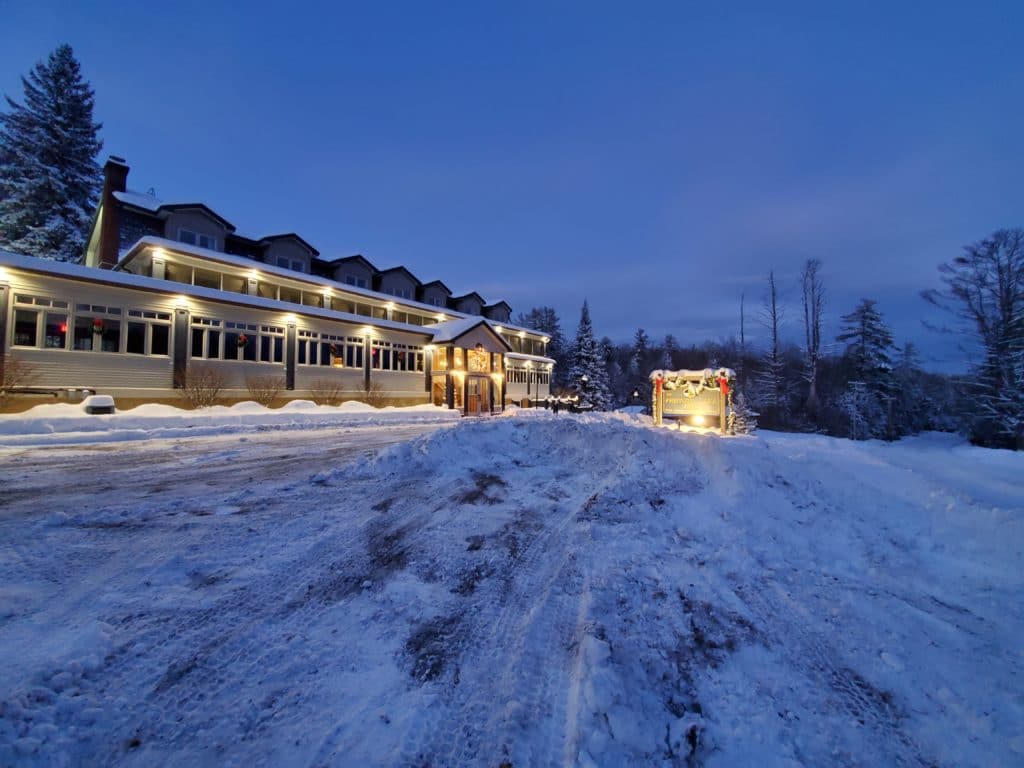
(656, 159)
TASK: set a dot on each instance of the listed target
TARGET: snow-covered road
(532, 590)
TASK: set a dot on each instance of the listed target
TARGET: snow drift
(536, 590)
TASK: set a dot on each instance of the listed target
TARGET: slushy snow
(534, 590)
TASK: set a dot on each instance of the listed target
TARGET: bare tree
(984, 287)
(813, 294)
(14, 373)
(771, 383)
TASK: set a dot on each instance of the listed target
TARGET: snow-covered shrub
(264, 389)
(202, 386)
(373, 394)
(327, 392)
(16, 373)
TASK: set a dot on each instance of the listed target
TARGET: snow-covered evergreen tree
(671, 353)
(641, 353)
(911, 404)
(49, 178)
(869, 347)
(742, 420)
(588, 360)
(862, 410)
(616, 378)
(868, 354)
(665, 363)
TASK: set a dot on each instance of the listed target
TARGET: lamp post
(584, 380)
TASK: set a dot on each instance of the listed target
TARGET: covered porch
(467, 367)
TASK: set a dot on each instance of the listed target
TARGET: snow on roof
(119, 277)
(126, 279)
(532, 358)
(684, 373)
(303, 277)
(450, 330)
(140, 200)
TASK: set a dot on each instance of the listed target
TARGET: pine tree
(671, 353)
(640, 354)
(868, 355)
(666, 360)
(911, 404)
(742, 420)
(49, 178)
(545, 319)
(861, 409)
(870, 346)
(615, 377)
(588, 360)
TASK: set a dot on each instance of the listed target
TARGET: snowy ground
(531, 590)
(66, 424)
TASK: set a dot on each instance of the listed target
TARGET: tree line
(866, 385)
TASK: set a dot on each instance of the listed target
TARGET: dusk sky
(656, 159)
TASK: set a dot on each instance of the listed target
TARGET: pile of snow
(65, 423)
(535, 589)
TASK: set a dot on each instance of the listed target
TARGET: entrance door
(478, 398)
(437, 390)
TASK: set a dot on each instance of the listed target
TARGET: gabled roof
(496, 304)
(139, 200)
(469, 295)
(155, 206)
(439, 283)
(411, 276)
(200, 206)
(357, 257)
(290, 236)
(452, 330)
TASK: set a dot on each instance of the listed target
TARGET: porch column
(4, 294)
(290, 349)
(449, 379)
(181, 345)
(367, 349)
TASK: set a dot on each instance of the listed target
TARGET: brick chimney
(115, 179)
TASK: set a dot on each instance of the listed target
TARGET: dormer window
(195, 238)
(358, 282)
(294, 264)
